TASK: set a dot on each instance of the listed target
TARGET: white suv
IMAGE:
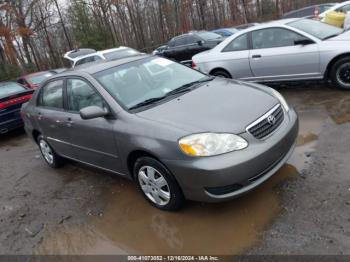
(83, 56)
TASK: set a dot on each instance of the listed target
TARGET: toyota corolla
(178, 133)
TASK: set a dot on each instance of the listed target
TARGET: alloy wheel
(46, 151)
(343, 74)
(154, 185)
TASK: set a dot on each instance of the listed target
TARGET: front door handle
(256, 56)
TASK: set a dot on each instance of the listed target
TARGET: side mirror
(303, 41)
(92, 112)
(200, 42)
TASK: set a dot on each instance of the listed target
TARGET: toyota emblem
(271, 120)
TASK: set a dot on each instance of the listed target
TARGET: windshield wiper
(189, 86)
(182, 89)
(148, 102)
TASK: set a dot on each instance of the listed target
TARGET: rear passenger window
(52, 95)
(81, 95)
(238, 44)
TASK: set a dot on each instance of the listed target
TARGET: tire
(340, 73)
(160, 189)
(49, 155)
(221, 73)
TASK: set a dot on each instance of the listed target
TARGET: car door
(235, 58)
(194, 46)
(177, 49)
(92, 140)
(51, 117)
(276, 56)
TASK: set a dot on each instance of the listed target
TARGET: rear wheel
(221, 73)
(49, 155)
(157, 184)
(340, 73)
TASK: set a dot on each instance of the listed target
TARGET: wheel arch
(136, 154)
(35, 135)
(219, 69)
(332, 62)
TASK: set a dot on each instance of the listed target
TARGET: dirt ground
(303, 209)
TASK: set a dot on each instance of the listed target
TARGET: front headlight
(280, 98)
(211, 144)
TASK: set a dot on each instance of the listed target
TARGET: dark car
(12, 96)
(225, 32)
(182, 48)
(308, 11)
(175, 131)
(33, 80)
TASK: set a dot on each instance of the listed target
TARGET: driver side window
(81, 94)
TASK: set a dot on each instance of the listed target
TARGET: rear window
(208, 35)
(37, 79)
(7, 89)
(120, 54)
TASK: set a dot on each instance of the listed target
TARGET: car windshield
(10, 88)
(37, 79)
(143, 80)
(120, 54)
(316, 28)
(208, 35)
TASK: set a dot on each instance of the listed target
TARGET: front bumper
(223, 177)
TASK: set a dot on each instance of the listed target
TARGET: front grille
(268, 123)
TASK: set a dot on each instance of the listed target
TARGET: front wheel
(51, 158)
(340, 73)
(157, 184)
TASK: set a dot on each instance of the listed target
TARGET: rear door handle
(256, 56)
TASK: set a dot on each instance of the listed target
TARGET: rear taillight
(194, 66)
(14, 101)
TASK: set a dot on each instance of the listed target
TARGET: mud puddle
(130, 225)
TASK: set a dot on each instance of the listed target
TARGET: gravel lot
(303, 209)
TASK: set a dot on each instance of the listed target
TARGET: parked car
(341, 7)
(159, 50)
(33, 80)
(178, 133)
(12, 96)
(284, 50)
(308, 11)
(225, 32)
(182, 48)
(79, 57)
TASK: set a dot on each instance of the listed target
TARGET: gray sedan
(284, 50)
(179, 134)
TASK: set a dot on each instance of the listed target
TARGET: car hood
(221, 105)
(342, 37)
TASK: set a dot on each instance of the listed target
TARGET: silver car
(179, 134)
(284, 50)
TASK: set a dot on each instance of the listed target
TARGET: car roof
(92, 68)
